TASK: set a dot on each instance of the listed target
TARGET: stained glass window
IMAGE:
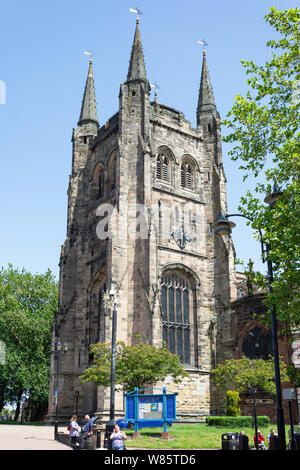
(171, 304)
(178, 306)
(257, 344)
(175, 305)
(164, 302)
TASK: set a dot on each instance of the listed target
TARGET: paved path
(22, 437)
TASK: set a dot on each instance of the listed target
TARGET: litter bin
(297, 441)
(230, 441)
(90, 442)
(294, 443)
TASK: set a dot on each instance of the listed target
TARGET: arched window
(186, 176)
(98, 181)
(101, 183)
(162, 167)
(176, 305)
(95, 327)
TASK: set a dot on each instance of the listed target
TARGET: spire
(206, 101)
(89, 107)
(137, 69)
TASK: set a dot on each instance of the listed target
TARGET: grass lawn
(189, 436)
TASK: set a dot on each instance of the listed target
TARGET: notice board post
(136, 413)
(150, 410)
(165, 434)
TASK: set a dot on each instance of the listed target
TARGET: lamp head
(271, 199)
(224, 226)
(112, 293)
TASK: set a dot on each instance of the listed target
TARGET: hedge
(238, 421)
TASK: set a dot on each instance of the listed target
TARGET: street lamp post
(111, 423)
(255, 416)
(57, 350)
(223, 227)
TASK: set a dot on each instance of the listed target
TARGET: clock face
(181, 237)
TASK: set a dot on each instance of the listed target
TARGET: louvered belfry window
(175, 305)
(162, 169)
(186, 176)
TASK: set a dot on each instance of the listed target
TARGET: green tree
(27, 305)
(249, 375)
(232, 408)
(246, 375)
(264, 130)
(136, 366)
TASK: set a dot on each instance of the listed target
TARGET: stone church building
(144, 194)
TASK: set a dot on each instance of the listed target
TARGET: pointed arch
(255, 341)
(181, 267)
(164, 161)
(99, 179)
(112, 170)
(188, 168)
(178, 300)
(95, 324)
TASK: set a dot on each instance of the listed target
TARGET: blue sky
(44, 69)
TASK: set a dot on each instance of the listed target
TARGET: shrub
(233, 399)
(237, 421)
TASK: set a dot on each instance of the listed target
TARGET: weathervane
(137, 11)
(203, 43)
(89, 53)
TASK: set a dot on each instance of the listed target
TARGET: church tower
(144, 194)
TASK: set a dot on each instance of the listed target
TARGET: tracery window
(257, 344)
(162, 167)
(175, 304)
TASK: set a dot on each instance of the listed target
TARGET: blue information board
(150, 410)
